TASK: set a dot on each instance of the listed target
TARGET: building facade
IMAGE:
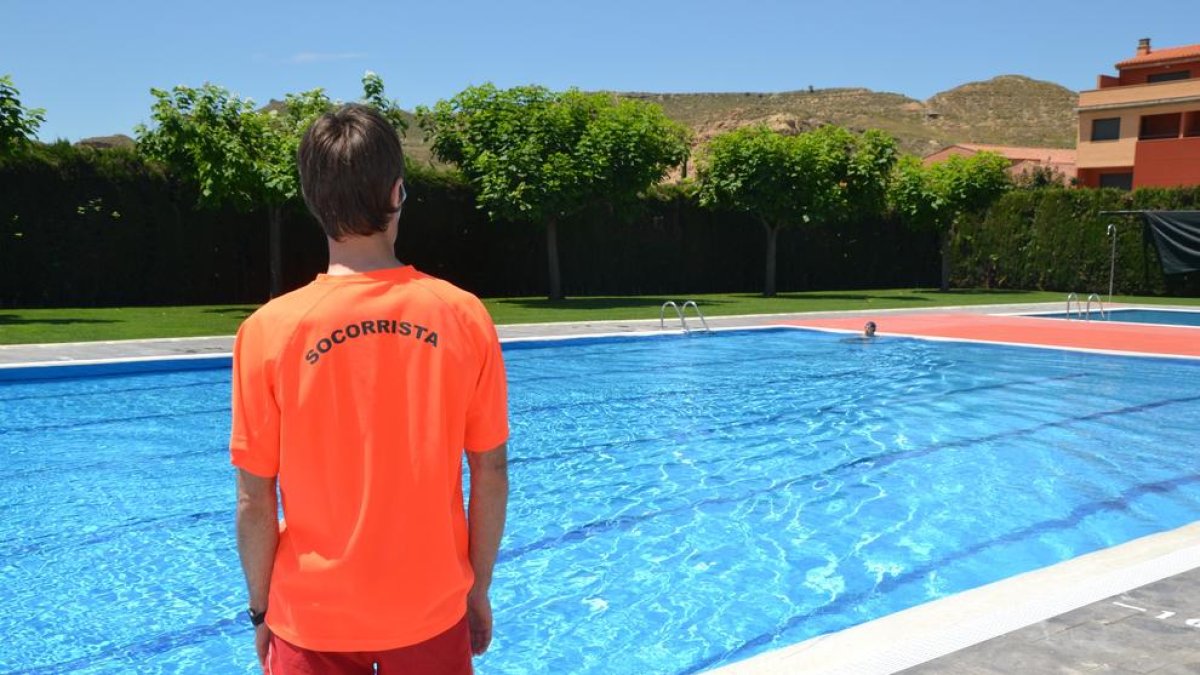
(1141, 128)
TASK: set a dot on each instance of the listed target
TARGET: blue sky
(91, 64)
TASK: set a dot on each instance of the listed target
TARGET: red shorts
(446, 654)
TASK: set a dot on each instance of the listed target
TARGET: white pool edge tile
(934, 629)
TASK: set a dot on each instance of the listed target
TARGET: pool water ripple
(678, 502)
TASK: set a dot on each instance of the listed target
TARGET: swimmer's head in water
(869, 329)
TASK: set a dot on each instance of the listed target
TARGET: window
(1168, 77)
(1159, 126)
(1107, 129)
(1121, 181)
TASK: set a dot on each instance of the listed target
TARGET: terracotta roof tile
(1159, 55)
(1052, 155)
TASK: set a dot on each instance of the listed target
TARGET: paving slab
(1151, 629)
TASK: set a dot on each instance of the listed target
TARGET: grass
(24, 326)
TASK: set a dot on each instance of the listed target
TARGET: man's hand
(262, 639)
(479, 618)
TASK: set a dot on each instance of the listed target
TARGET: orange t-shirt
(361, 392)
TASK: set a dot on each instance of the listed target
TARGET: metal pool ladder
(1078, 305)
(681, 312)
(1082, 311)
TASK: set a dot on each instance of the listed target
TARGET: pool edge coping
(940, 627)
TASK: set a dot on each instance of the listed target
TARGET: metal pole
(1112, 263)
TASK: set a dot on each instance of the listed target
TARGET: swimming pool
(678, 503)
(1167, 317)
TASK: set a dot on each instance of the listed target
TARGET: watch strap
(256, 618)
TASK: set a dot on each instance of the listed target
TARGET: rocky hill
(1006, 110)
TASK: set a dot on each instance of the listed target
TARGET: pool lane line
(76, 467)
(106, 392)
(111, 420)
(137, 651)
(52, 542)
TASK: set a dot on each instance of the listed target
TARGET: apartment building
(1141, 127)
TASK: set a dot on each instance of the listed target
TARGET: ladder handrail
(683, 313)
(1073, 296)
(662, 313)
(1099, 302)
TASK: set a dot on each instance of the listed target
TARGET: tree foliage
(373, 96)
(822, 176)
(238, 155)
(18, 124)
(938, 196)
(537, 155)
(212, 138)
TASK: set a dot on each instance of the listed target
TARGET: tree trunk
(946, 236)
(772, 236)
(552, 258)
(275, 245)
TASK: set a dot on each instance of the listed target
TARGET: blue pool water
(678, 503)
(1163, 316)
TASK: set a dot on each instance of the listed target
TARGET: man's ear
(397, 189)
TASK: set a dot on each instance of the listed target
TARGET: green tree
(539, 156)
(18, 124)
(822, 176)
(938, 196)
(241, 156)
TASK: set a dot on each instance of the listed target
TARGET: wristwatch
(256, 618)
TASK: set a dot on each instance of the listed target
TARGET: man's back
(361, 391)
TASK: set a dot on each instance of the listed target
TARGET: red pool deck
(1026, 330)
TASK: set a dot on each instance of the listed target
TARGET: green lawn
(20, 326)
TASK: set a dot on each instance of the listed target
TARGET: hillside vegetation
(1005, 110)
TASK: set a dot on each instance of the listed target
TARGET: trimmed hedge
(84, 227)
(80, 227)
(1055, 239)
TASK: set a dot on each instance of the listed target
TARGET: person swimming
(868, 334)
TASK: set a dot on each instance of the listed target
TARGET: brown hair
(349, 160)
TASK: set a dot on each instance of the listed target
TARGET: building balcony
(1167, 163)
(1115, 98)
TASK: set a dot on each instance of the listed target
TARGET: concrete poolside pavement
(1151, 629)
(69, 352)
(1131, 609)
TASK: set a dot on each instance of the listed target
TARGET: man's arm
(485, 524)
(257, 538)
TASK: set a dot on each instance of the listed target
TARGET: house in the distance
(1141, 127)
(1021, 160)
